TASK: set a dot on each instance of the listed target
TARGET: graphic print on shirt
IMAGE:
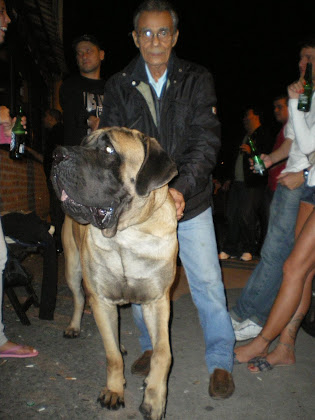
(93, 103)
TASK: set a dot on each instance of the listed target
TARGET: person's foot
(235, 324)
(224, 256)
(258, 347)
(246, 256)
(10, 349)
(221, 384)
(282, 355)
(246, 330)
(141, 367)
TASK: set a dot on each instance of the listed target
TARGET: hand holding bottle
(245, 148)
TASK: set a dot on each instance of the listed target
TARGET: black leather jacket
(186, 125)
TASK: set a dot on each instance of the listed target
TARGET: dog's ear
(157, 168)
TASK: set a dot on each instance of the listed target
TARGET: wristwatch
(305, 173)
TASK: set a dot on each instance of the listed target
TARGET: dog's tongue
(64, 196)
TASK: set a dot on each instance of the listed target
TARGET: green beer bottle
(259, 165)
(305, 98)
(17, 145)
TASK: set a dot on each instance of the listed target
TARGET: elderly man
(174, 101)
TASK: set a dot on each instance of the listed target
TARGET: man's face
(89, 57)
(307, 55)
(281, 111)
(251, 121)
(4, 20)
(155, 38)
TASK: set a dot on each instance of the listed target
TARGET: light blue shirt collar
(158, 86)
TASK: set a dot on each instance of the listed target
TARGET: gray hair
(155, 6)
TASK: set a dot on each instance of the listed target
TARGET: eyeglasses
(163, 34)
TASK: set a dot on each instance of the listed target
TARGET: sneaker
(224, 256)
(246, 256)
(236, 324)
(247, 330)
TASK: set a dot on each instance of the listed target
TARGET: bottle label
(12, 144)
(22, 149)
(259, 168)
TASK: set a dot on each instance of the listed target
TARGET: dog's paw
(149, 413)
(71, 333)
(111, 400)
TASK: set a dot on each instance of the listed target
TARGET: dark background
(251, 50)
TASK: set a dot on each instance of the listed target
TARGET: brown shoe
(141, 367)
(221, 384)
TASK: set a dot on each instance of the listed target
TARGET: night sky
(252, 52)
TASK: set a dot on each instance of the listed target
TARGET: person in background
(7, 348)
(294, 297)
(281, 113)
(81, 95)
(174, 101)
(246, 195)
(252, 308)
(55, 132)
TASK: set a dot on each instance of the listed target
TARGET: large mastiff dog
(121, 239)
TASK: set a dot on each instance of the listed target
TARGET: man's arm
(197, 162)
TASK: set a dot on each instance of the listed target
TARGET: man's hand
(245, 148)
(226, 185)
(93, 122)
(179, 202)
(291, 180)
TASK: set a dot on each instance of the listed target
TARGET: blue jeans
(198, 253)
(262, 287)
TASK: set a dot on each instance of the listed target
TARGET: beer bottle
(305, 98)
(259, 165)
(17, 146)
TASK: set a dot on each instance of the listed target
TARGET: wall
(23, 186)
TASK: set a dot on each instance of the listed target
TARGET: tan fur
(136, 265)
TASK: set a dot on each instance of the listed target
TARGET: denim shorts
(308, 195)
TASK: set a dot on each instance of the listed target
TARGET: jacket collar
(136, 69)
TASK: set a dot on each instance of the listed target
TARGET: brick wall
(23, 186)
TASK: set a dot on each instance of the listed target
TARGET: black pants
(247, 219)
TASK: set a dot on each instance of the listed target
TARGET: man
(81, 95)
(174, 101)
(55, 131)
(281, 114)
(253, 306)
(7, 348)
(246, 197)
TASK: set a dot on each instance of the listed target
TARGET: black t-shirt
(54, 138)
(79, 98)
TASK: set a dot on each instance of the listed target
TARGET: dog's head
(98, 180)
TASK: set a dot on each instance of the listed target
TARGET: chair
(25, 234)
(16, 276)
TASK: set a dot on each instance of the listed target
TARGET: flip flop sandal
(261, 363)
(13, 353)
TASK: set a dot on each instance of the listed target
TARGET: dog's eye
(110, 150)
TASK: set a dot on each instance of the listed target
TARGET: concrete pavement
(64, 380)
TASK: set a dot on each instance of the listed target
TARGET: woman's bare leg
(297, 269)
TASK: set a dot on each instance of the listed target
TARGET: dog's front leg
(73, 274)
(106, 317)
(156, 316)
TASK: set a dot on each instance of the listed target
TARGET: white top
(301, 130)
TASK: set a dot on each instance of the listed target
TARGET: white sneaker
(224, 256)
(236, 324)
(247, 330)
(246, 256)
